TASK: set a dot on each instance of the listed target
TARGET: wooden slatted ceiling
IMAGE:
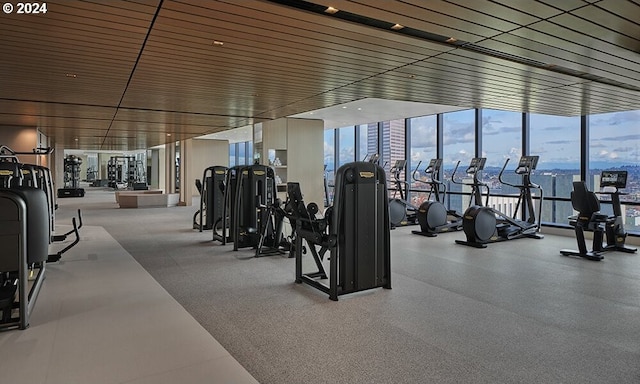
(278, 61)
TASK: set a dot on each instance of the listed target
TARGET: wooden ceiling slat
(303, 39)
(521, 12)
(278, 61)
(270, 17)
(558, 56)
(433, 17)
(595, 31)
(591, 49)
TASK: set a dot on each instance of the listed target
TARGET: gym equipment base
(71, 192)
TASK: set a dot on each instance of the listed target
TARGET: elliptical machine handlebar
(437, 186)
(474, 169)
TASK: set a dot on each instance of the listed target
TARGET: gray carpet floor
(516, 312)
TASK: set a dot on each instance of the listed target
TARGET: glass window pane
(556, 139)
(232, 155)
(423, 136)
(329, 160)
(241, 147)
(458, 135)
(249, 152)
(346, 151)
(393, 145)
(368, 140)
(502, 140)
(614, 144)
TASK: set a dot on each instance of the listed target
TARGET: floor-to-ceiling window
(393, 149)
(556, 139)
(614, 144)
(368, 140)
(240, 153)
(502, 140)
(232, 154)
(346, 145)
(423, 139)
(329, 163)
(458, 131)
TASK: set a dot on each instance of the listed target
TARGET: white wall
(206, 153)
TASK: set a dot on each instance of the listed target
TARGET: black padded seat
(589, 218)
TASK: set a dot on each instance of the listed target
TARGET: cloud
(560, 142)
(622, 138)
(623, 149)
(617, 118)
(423, 136)
(554, 128)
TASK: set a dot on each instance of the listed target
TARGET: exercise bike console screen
(617, 179)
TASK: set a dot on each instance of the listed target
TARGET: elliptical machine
(483, 225)
(433, 216)
(400, 211)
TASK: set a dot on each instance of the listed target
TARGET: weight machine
(212, 192)
(355, 231)
(71, 178)
(251, 205)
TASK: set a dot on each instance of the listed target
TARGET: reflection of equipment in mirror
(126, 172)
(71, 178)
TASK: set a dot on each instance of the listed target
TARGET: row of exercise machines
(482, 224)
(27, 226)
(239, 204)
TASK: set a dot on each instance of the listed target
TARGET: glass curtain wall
(502, 140)
(458, 135)
(423, 139)
(368, 143)
(329, 163)
(614, 144)
(556, 139)
(346, 145)
(393, 149)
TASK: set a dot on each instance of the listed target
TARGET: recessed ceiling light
(168, 134)
(331, 10)
(344, 107)
(76, 139)
(359, 109)
(218, 43)
(397, 27)
(451, 40)
(73, 75)
(311, 113)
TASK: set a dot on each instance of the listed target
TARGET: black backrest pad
(583, 200)
(37, 222)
